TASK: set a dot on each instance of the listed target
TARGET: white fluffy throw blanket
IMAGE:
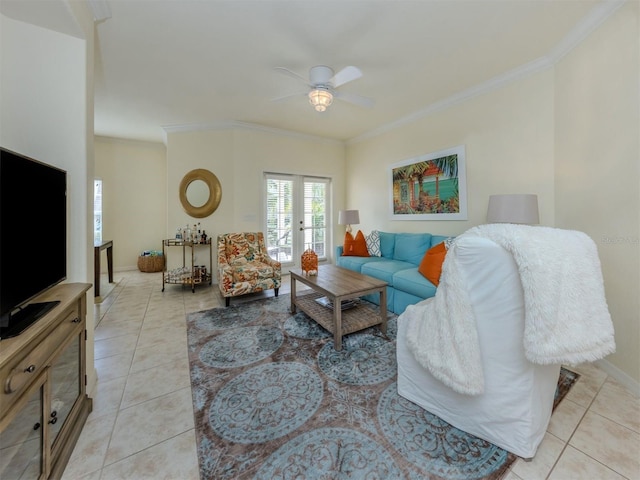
(567, 320)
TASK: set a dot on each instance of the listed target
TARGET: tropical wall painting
(430, 187)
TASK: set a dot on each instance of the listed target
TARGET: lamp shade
(348, 217)
(513, 208)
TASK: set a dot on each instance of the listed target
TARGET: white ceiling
(206, 63)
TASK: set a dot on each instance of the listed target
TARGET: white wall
(46, 92)
(508, 136)
(134, 182)
(43, 116)
(239, 157)
(597, 167)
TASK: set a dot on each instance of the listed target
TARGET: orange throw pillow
(348, 244)
(431, 264)
(355, 247)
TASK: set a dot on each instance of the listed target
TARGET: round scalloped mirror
(200, 193)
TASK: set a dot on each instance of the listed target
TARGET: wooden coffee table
(338, 284)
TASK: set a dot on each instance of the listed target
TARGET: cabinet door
(21, 442)
(65, 383)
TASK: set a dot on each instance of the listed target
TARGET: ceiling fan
(322, 86)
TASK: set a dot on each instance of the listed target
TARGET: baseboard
(632, 385)
(126, 268)
(92, 385)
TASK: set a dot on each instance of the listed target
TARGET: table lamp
(348, 218)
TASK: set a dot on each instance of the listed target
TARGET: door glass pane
(315, 225)
(279, 219)
(65, 386)
(21, 442)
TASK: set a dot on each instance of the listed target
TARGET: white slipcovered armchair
(484, 354)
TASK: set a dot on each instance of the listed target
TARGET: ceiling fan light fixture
(320, 99)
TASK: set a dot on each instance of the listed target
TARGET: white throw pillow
(373, 243)
(448, 242)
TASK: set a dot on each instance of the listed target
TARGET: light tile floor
(142, 423)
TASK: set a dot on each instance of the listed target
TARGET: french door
(296, 215)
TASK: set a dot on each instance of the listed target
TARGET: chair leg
(227, 301)
(277, 291)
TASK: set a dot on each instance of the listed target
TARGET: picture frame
(430, 187)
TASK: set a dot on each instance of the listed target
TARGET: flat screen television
(33, 238)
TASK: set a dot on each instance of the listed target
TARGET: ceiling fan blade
(291, 95)
(347, 74)
(291, 74)
(355, 99)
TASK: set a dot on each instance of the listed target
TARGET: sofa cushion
(387, 244)
(401, 300)
(436, 239)
(375, 298)
(355, 246)
(356, 263)
(411, 281)
(410, 247)
(431, 265)
(252, 271)
(385, 269)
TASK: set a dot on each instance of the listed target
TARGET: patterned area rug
(274, 400)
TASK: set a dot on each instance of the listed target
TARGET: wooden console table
(97, 248)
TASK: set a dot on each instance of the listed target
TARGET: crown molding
(100, 10)
(128, 141)
(490, 85)
(589, 23)
(235, 124)
(580, 32)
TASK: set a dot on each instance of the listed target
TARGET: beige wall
(569, 134)
(239, 157)
(134, 182)
(187, 151)
(597, 165)
(508, 138)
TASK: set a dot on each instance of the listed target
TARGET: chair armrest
(276, 265)
(222, 261)
(225, 272)
(222, 254)
(225, 277)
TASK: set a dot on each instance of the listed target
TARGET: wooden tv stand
(43, 398)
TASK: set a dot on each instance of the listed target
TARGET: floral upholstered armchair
(244, 266)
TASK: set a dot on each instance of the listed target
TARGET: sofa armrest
(339, 250)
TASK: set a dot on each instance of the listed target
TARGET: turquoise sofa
(401, 253)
